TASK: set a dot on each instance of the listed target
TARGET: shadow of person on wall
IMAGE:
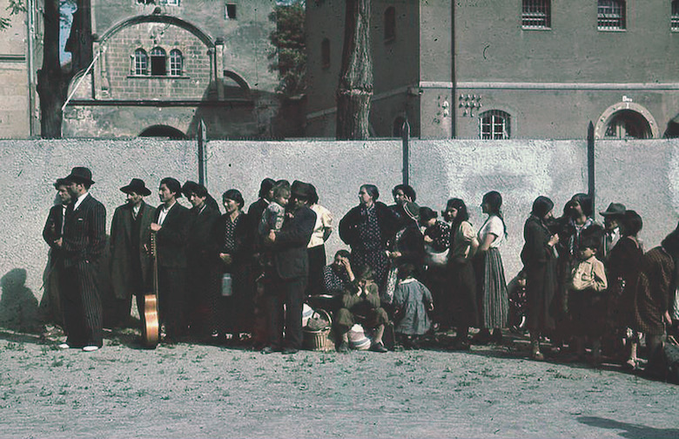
(631, 431)
(18, 305)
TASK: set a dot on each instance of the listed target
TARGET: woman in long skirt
(539, 260)
(463, 245)
(491, 286)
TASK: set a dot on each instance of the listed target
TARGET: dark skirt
(316, 263)
(492, 298)
(464, 309)
(375, 259)
(540, 291)
(436, 279)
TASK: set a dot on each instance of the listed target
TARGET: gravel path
(206, 391)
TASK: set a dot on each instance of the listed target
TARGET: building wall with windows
(19, 52)
(167, 64)
(521, 69)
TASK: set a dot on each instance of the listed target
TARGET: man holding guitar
(130, 262)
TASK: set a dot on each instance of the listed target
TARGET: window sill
(611, 30)
(157, 77)
(538, 28)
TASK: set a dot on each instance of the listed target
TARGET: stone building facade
(484, 69)
(19, 52)
(159, 67)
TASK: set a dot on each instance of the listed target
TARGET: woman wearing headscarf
(491, 286)
(539, 260)
(366, 229)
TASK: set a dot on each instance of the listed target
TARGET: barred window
(140, 62)
(611, 15)
(158, 62)
(495, 125)
(176, 62)
(674, 21)
(169, 2)
(536, 14)
(325, 53)
(390, 24)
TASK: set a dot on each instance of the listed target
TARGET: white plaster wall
(644, 175)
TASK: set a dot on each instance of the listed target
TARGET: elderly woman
(232, 238)
(539, 260)
(366, 229)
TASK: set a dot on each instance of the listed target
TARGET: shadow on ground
(630, 431)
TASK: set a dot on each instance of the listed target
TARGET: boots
(535, 353)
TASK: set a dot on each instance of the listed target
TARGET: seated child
(412, 301)
(586, 300)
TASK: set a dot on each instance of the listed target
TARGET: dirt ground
(191, 391)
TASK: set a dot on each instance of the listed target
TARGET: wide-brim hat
(80, 174)
(412, 210)
(301, 190)
(60, 182)
(614, 209)
(137, 186)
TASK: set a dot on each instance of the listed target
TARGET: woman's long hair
(494, 201)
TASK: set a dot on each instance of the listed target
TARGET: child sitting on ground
(586, 300)
(413, 301)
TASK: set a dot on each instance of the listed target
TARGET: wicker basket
(319, 340)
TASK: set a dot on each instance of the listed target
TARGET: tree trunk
(52, 80)
(356, 77)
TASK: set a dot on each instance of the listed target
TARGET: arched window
(325, 53)
(390, 24)
(140, 62)
(536, 14)
(158, 62)
(495, 125)
(176, 63)
(674, 21)
(628, 124)
(611, 15)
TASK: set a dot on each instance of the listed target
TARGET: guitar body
(151, 323)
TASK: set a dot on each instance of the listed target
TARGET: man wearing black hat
(612, 218)
(50, 305)
(130, 262)
(82, 244)
(200, 258)
(291, 272)
(170, 225)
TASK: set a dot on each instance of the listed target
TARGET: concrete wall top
(641, 174)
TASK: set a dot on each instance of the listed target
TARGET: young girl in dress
(412, 301)
(490, 273)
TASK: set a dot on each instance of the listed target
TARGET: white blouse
(493, 225)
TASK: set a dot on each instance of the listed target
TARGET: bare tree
(355, 88)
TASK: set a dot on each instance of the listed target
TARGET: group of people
(223, 276)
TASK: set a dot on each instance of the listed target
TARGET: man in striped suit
(82, 244)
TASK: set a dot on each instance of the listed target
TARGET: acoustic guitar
(151, 324)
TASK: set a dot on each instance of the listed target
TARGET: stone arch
(154, 18)
(164, 131)
(644, 118)
(238, 79)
